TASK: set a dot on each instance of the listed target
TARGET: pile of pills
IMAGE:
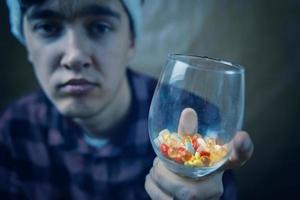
(190, 149)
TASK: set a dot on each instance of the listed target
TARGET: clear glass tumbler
(196, 110)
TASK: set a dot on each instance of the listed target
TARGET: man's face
(79, 50)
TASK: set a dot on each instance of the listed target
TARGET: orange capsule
(178, 159)
(164, 149)
(195, 143)
(184, 154)
(205, 160)
(172, 152)
(204, 154)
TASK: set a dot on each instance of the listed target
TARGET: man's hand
(161, 183)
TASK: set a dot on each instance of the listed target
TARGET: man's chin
(78, 112)
(80, 108)
(75, 114)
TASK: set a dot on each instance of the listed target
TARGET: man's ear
(29, 57)
(132, 48)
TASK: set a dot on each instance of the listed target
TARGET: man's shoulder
(31, 107)
(142, 84)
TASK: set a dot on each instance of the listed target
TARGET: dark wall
(16, 76)
(273, 103)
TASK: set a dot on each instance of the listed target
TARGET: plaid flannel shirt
(43, 155)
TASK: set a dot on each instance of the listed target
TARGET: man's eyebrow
(43, 14)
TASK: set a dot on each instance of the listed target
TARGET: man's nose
(76, 54)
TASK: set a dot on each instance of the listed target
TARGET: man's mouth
(77, 86)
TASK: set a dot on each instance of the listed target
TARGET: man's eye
(47, 29)
(97, 29)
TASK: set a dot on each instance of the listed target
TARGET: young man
(84, 135)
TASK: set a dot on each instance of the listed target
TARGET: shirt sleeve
(9, 184)
(230, 188)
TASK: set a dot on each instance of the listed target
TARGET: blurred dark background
(16, 75)
(263, 36)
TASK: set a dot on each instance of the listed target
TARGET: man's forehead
(74, 8)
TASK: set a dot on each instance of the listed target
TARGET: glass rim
(235, 68)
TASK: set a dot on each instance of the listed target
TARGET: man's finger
(154, 191)
(185, 188)
(242, 150)
(188, 122)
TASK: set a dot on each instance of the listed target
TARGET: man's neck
(111, 115)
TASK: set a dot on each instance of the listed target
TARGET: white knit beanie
(133, 7)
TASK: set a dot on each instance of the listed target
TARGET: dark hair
(26, 4)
